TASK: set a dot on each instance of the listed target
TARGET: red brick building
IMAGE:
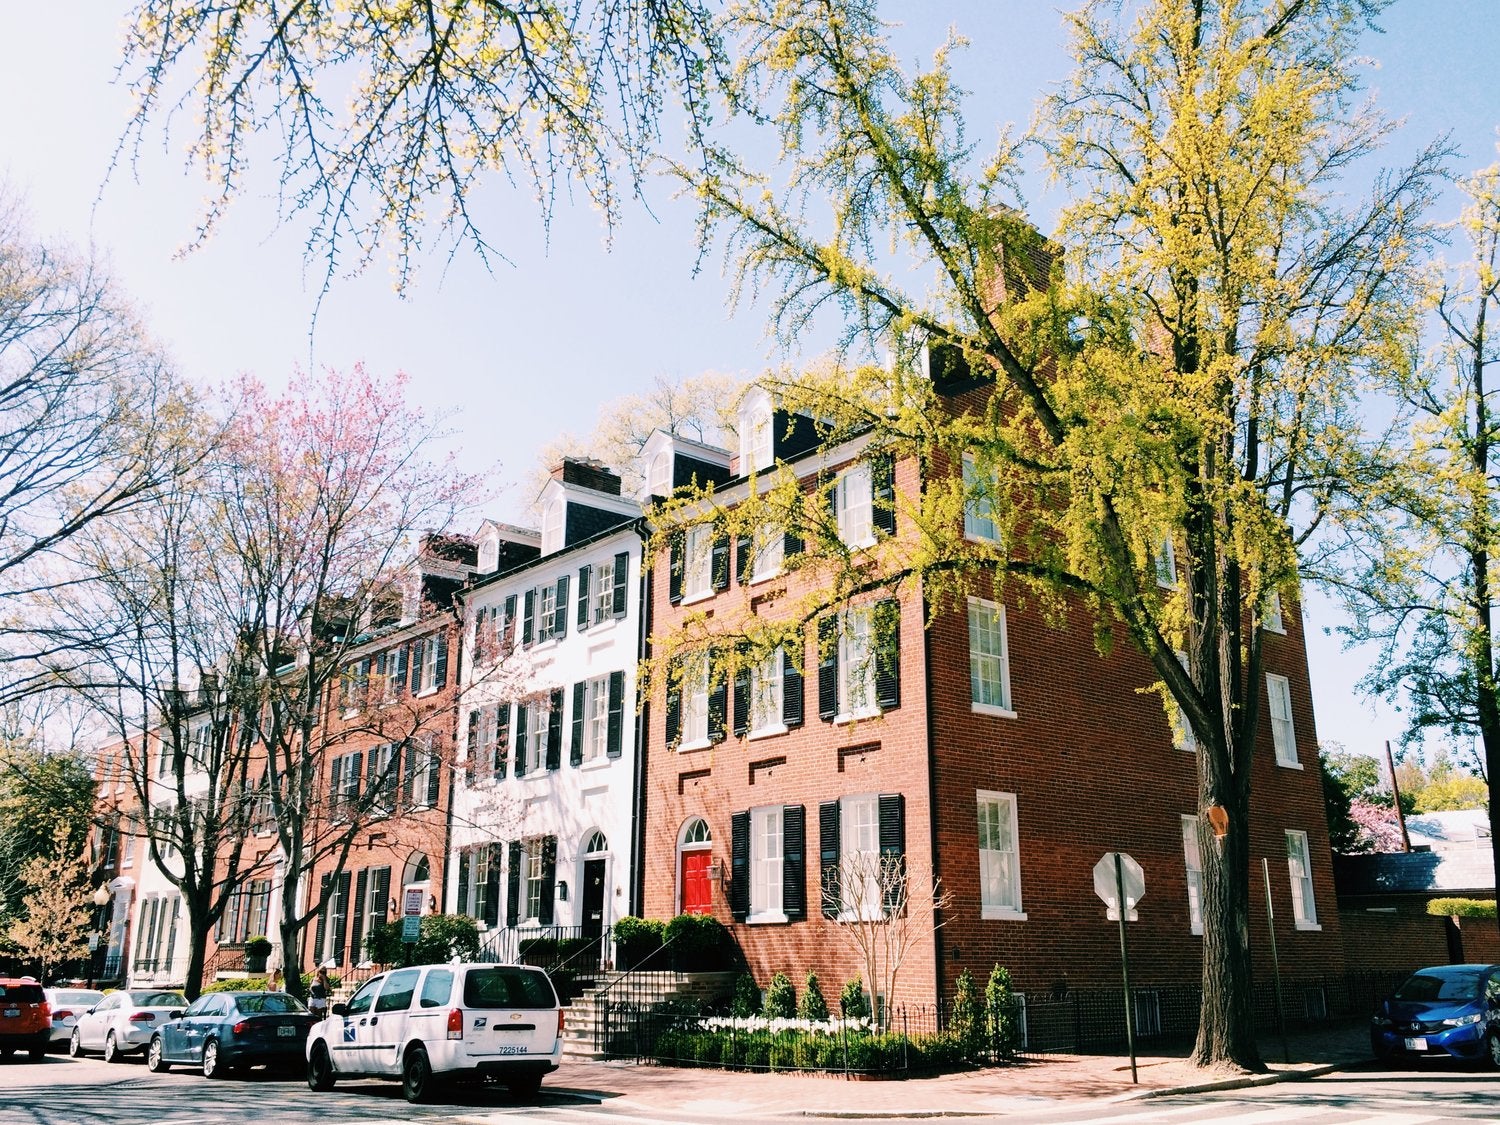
(974, 740)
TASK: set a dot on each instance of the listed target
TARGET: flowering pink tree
(1379, 830)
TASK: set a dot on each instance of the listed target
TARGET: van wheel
(320, 1074)
(156, 1062)
(526, 1088)
(417, 1082)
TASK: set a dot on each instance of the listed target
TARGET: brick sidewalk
(705, 1095)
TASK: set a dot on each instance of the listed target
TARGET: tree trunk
(290, 929)
(198, 927)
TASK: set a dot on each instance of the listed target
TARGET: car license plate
(510, 1049)
(286, 1032)
(12, 1012)
(1418, 1044)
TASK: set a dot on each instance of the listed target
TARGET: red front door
(697, 897)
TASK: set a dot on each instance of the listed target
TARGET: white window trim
(871, 708)
(1299, 904)
(1183, 737)
(996, 912)
(694, 676)
(1274, 620)
(1006, 710)
(766, 535)
(779, 914)
(860, 472)
(777, 667)
(1164, 565)
(595, 720)
(698, 564)
(1286, 747)
(601, 595)
(874, 901)
(972, 504)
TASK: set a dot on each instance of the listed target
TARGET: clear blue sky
(532, 350)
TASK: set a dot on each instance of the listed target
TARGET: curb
(1242, 1083)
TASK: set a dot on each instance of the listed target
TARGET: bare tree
(882, 906)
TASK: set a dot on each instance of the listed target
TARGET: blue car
(1447, 1011)
(223, 1031)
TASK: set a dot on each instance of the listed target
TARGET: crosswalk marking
(1231, 1113)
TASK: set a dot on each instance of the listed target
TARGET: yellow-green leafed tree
(55, 927)
(1175, 372)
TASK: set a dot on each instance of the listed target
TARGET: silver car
(123, 1021)
(67, 1005)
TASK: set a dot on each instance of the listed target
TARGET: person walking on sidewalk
(319, 992)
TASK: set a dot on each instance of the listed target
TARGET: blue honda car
(1448, 1011)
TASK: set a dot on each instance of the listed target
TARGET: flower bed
(848, 1046)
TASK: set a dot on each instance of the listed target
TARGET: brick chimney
(588, 473)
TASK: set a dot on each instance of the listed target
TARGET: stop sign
(1106, 884)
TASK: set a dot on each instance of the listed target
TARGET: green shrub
(757, 1049)
(852, 1002)
(699, 942)
(746, 997)
(1462, 907)
(258, 946)
(781, 998)
(243, 984)
(967, 1023)
(442, 937)
(573, 950)
(538, 950)
(636, 939)
(1000, 1013)
(812, 1006)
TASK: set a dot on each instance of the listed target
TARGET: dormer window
(756, 449)
(659, 475)
(553, 516)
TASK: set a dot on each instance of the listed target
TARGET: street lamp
(101, 900)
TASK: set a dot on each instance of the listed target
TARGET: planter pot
(254, 964)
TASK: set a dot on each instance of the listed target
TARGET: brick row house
(972, 740)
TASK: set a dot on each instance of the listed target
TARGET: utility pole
(1390, 764)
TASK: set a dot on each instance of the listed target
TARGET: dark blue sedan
(1448, 1011)
(223, 1031)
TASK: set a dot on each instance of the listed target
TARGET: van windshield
(507, 987)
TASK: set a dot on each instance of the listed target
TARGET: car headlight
(1381, 1021)
(1462, 1021)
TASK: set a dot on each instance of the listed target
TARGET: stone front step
(583, 1016)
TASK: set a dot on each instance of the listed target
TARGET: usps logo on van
(479, 1021)
(515, 1016)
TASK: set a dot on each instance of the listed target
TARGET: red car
(25, 1018)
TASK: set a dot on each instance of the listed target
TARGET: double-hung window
(595, 729)
(861, 879)
(853, 506)
(1304, 905)
(979, 503)
(1192, 860)
(769, 550)
(1166, 565)
(766, 865)
(602, 596)
(422, 779)
(1271, 619)
(989, 659)
(1283, 733)
(695, 699)
(766, 715)
(857, 664)
(546, 612)
(533, 875)
(999, 856)
(698, 560)
(1183, 737)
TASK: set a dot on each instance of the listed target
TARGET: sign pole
(1125, 964)
(1286, 1052)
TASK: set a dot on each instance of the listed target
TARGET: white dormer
(757, 453)
(554, 519)
(488, 544)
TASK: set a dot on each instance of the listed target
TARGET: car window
(1492, 989)
(396, 996)
(197, 1008)
(22, 993)
(77, 997)
(507, 987)
(109, 1003)
(437, 988)
(360, 1002)
(158, 999)
(1441, 986)
(269, 1003)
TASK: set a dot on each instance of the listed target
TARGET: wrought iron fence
(573, 957)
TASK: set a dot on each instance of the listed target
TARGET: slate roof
(1445, 872)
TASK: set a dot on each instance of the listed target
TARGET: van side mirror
(340, 1009)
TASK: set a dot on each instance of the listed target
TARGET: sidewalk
(713, 1095)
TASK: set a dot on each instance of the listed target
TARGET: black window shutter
(380, 891)
(883, 492)
(549, 880)
(554, 730)
(494, 856)
(523, 736)
(741, 701)
(719, 561)
(409, 774)
(403, 664)
(508, 626)
(675, 548)
(473, 763)
(615, 742)
(502, 737)
(352, 773)
(791, 688)
(417, 650)
(341, 917)
(357, 917)
(622, 573)
(828, 858)
(739, 865)
(442, 660)
(742, 559)
(527, 616)
(791, 541)
(674, 704)
(335, 786)
(318, 952)
(560, 610)
(888, 654)
(461, 906)
(434, 753)
(575, 751)
(794, 862)
(513, 885)
(584, 573)
(828, 668)
(892, 848)
(718, 701)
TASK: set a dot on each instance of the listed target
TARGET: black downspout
(449, 861)
(642, 725)
(932, 807)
